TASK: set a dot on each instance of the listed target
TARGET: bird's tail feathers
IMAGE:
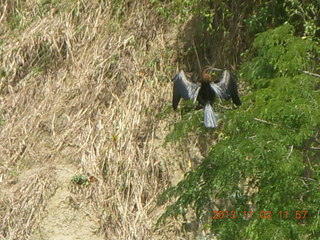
(210, 118)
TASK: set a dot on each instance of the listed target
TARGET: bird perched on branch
(205, 92)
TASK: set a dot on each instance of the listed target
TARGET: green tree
(268, 160)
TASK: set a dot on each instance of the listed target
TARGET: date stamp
(299, 214)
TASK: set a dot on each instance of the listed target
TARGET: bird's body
(205, 92)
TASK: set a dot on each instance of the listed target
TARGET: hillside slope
(81, 85)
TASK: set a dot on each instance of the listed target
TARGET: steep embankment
(81, 85)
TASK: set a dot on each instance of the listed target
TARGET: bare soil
(64, 218)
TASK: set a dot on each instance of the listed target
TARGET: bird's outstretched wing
(183, 88)
(227, 88)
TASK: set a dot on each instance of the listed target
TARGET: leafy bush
(278, 53)
(223, 30)
(266, 160)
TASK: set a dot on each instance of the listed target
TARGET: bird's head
(206, 74)
(205, 77)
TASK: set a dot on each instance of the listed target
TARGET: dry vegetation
(82, 84)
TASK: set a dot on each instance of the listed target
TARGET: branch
(311, 74)
(291, 149)
(195, 49)
(315, 148)
(274, 124)
(266, 122)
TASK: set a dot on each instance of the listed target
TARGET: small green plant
(15, 20)
(80, 180)
(46, 5)
(3, 74)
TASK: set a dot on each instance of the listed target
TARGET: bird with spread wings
(205, 92)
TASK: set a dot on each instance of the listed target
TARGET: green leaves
(80, 180)
(191, 121)
(278, 53)
(265, 162)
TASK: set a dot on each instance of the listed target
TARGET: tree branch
(315, 148)
(311, 74)
(198, 60)
(266, 122)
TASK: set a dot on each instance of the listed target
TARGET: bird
(205, 91)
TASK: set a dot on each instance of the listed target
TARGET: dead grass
(21, 205)
(83, 86)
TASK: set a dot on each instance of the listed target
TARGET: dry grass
(83, 86)
(21, 205)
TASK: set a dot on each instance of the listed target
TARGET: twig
(266, 122)
(311, 74)
(195, 49)
(291, 149)
(215, 69)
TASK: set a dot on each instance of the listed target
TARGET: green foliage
(46, 5)
(265, 162)
(181, 9)
(278, 53)
(3, 73)
(120, 9)
(304, 15)
(80, 180)
(1, 121)
(223, 30)
(191, 121)
(15, 20)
